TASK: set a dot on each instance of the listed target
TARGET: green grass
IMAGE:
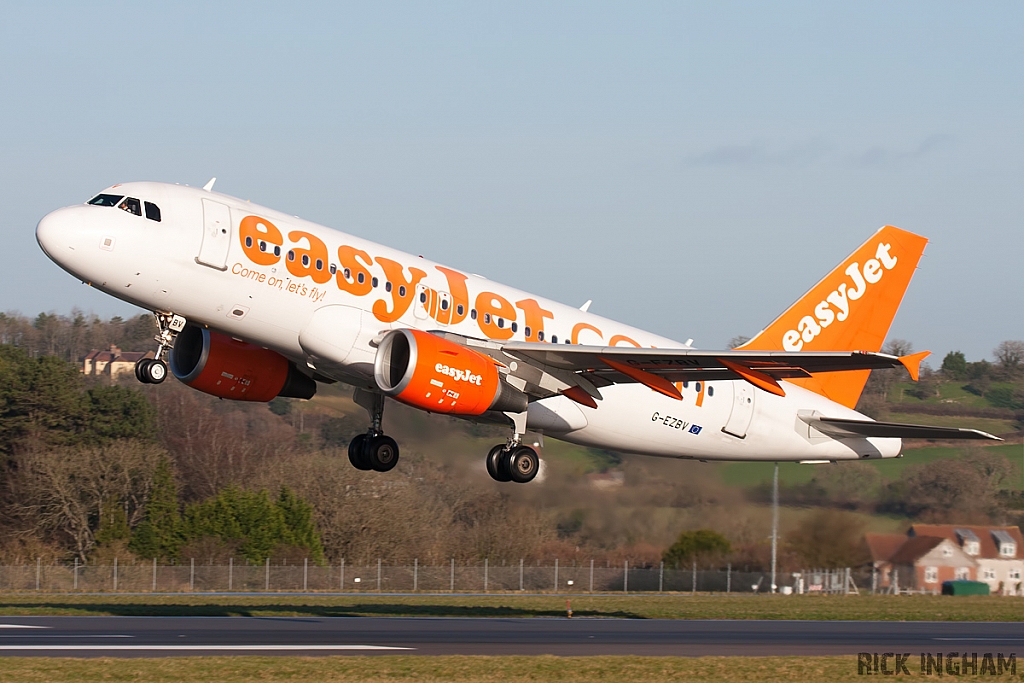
(985, 424)
(458, 669)
(646, 606)
(949, 393)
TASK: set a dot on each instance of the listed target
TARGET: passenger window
(472, 313)
(319, 264)
(501, 322)
(540, 335)
(487, 318)
(131, 205)
(711, 390)
(334, 269)
(373, 281)
(423, 297)
(152, 212)
(361, 277)
(515, 328)
(106, 199)
(554, 339)
(460, 309)
(527, 332)
(387, 286)
(444, 304)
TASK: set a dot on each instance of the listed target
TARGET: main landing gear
(373, 450)
(154, 370)
(512, 461)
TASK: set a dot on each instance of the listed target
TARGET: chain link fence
(379, 576)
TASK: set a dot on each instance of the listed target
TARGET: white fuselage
(195, 262)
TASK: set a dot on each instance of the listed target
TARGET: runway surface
(170, 636)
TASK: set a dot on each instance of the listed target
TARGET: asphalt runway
(171, 636)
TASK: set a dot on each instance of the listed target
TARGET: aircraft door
(216, 235)
(424, 301)
(742, 409)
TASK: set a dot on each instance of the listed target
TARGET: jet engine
(432, 373)
(220, 365)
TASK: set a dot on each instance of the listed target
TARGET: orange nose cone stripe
(659, 384)
(758, 379)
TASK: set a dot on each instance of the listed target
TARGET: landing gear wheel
(498, 464)
(155, 371)
(382, 453)
(523, 464)
(357, 453)
(140, 370)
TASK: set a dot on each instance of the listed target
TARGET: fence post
(452, 588)
(556, 574)
(520, 574)
(192, 576)
(154, 575)
(485, 574)
(378, 575)
(415, 575)
(625, 576)
(728, 578)
(693, 588)
(39, 562)
(266, 583)
(76, 573)
(231, 573)
(305, 574)
(342, 581)
(591, 576)
(115, 573)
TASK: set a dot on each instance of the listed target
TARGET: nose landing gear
(154, 370)
(373, 450)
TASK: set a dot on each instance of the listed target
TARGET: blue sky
(691, 167)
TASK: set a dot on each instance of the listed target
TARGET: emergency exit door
(742, 409)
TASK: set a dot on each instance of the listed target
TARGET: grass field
(663, 606)
(459, 669)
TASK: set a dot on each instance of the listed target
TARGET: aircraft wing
(842, 427)
(659, 368)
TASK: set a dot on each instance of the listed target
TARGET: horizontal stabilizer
(842, 428)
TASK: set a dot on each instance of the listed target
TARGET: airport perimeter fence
(453, 577)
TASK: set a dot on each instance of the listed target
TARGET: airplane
(253, 304)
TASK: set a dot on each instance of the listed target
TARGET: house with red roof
(929, 554)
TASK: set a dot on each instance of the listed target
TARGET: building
(997, 550)
(929, 554)
(112, 364)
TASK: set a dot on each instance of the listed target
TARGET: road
(168, 636)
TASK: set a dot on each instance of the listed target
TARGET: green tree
(702, 545)
(159, 534)
(113, 524)
(300, 531)
(255, 522)
(114, 412)
(954, 365)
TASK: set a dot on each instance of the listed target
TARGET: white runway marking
(201, 648)
(20, 626)
(52, 635)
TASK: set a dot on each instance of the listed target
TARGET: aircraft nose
(53, 233)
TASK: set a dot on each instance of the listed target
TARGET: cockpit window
(106, 199)
(131, 205)
(152, 212)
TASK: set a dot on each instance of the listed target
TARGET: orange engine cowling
(432, 373)
(217, 364)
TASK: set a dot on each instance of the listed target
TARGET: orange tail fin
(851, 309)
